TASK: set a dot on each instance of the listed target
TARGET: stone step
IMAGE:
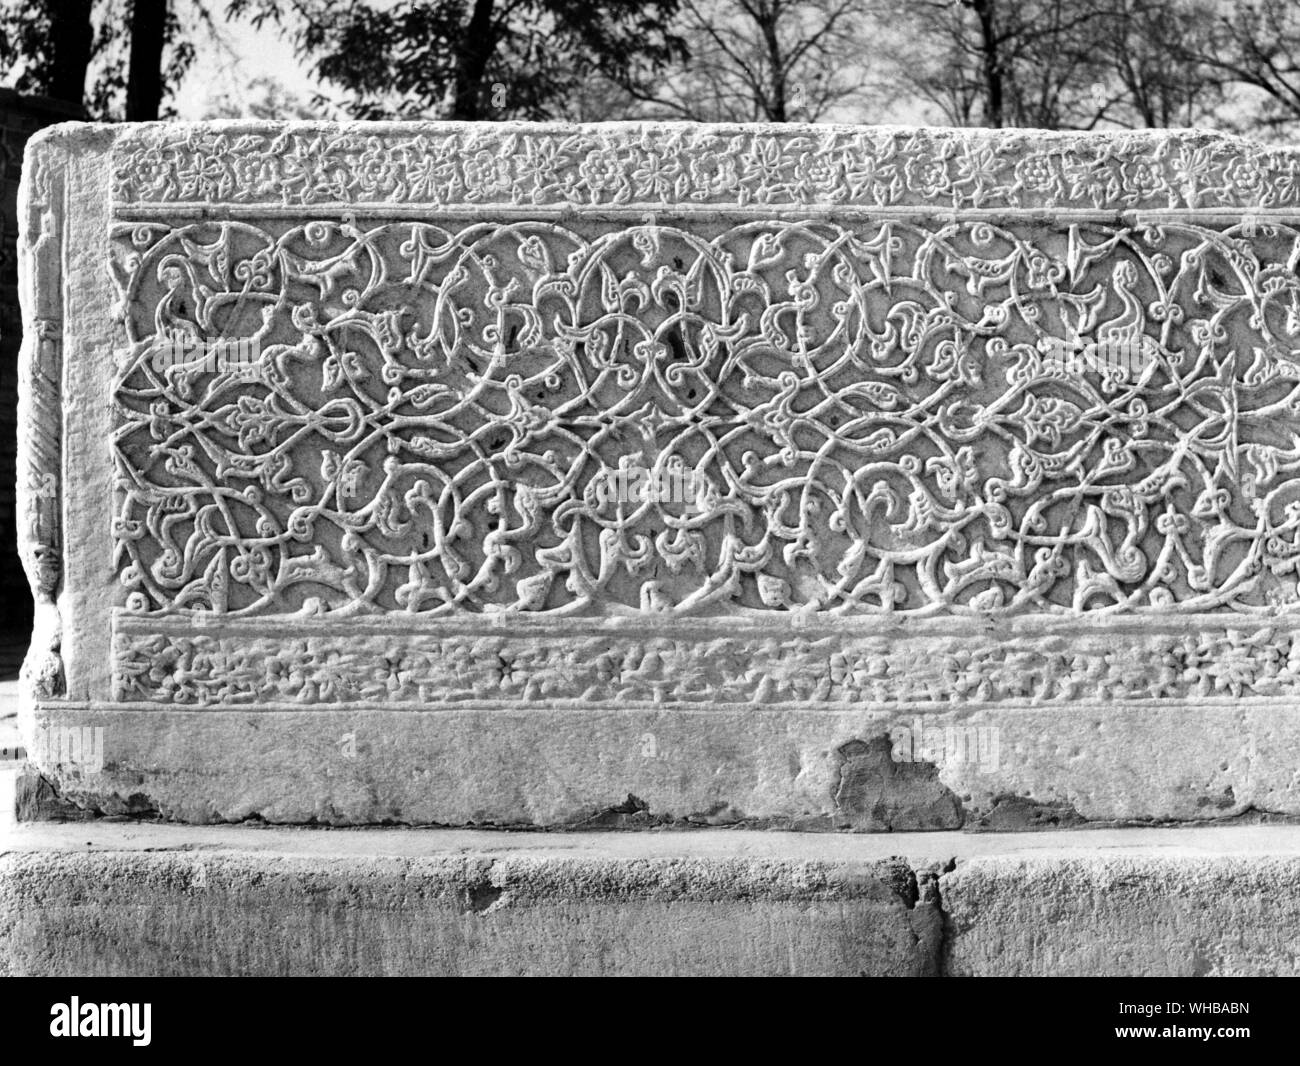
(135, 899)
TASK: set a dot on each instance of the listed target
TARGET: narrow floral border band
(283, 665)
(678, 164)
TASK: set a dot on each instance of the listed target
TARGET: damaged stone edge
(42, 212)
(38, 798)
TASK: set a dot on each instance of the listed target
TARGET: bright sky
(235, 65)
(228, 66)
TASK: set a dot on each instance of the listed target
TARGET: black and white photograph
(685, 488)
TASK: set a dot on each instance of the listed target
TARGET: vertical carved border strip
(40, 422)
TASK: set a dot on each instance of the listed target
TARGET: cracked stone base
(115, 899)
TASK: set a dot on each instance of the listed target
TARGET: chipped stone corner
(42, 797)
(632, 813)
(876, 790)
(36, 799)
(1009, 813)
(875, 793)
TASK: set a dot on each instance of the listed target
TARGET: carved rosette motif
(872, 412)
(688, 165)
(833, 669)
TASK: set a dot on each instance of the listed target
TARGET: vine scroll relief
(863, 420)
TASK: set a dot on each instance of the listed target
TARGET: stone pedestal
(113, 899)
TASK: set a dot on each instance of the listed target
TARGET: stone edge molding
(208, 170)
(42, 295)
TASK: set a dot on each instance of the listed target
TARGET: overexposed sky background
(238, 66)
(243, 70)
(229, 67)
(232, 68)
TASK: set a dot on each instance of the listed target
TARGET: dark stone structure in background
(20, 117)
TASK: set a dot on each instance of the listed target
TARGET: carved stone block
(808, 476)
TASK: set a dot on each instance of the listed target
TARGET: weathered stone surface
(121, 898)
(562, 475)
(497, 910)
(1142, 914)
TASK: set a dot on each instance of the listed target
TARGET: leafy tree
(473, 59)
(766, 60)
(125, 69)
(1005, 62)
(1154, 76)
(1253, 48)
(1057, 64)
(46, 45)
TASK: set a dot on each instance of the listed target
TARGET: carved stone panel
(446, 473)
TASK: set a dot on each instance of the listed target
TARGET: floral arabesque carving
(833, 670)
(875, 417)
(686, 164)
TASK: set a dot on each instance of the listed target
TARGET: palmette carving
(875, 418)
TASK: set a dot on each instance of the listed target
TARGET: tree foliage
(474, 59)
(1253, 45)
(46, 45)
(766, 61)
(116, 58)
(1057, 64)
